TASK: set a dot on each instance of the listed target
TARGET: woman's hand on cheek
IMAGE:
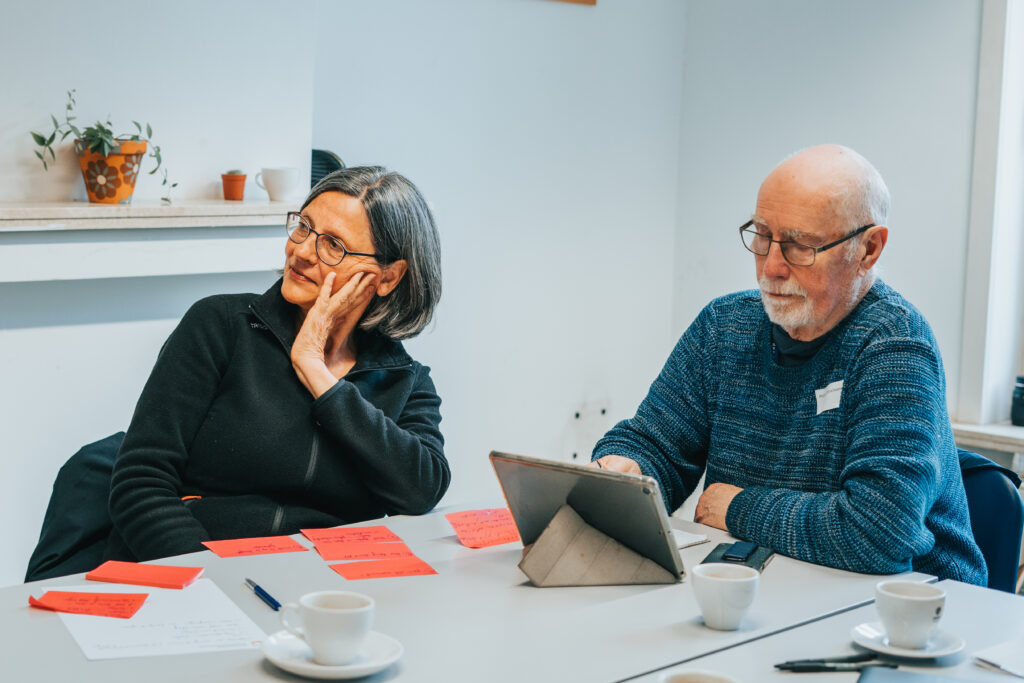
(328, 314)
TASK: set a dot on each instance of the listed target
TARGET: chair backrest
(77, 521)
(324, 162)
(997, 517)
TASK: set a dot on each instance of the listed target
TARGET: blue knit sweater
(870, 485)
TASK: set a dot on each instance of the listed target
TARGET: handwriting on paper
(482, 528)
(363, 551)
(357, 534)
(136, 574)
(262, 545)
(383, 569)
(119, 605)
(200, 618)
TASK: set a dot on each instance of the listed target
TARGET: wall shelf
(42, 242)
(58, 216)
(1003, 437)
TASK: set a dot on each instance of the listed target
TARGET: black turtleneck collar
(791, 352)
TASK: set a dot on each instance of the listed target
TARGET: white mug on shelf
(909, 611)
(280, 183)
(333, 623)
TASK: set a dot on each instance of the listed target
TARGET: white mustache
(786, 287)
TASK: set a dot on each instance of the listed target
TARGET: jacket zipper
(278, 520)
(313, 453)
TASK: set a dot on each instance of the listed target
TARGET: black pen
(816, 667)
(858, 657)
(263, 595)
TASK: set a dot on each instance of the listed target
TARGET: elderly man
(816, 405)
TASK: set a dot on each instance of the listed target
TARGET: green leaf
(40, 156)
(138, 126)
(54, 119)
(149, 131)
(40, 140)
(49, 140)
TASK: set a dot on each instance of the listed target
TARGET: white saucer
(292, 654)
(872, 636)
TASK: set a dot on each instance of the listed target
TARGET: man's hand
(617, 463)
(714, 504)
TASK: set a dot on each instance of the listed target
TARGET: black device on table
(741, 552)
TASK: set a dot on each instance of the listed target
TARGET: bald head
(834, 182)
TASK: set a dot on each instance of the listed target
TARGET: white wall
(546, 136)
(894, 80)
(219, 82)
(74, 355)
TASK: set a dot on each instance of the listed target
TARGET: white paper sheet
(1007, 657)
(198, 618)
(684, 539)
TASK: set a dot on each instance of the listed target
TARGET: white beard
(800, 313)
(787, 315)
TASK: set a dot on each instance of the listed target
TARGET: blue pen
(263, 595)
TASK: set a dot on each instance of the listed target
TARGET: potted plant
(110, 163)
(234, 184)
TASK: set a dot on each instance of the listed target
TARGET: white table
(477, 620)
(980, 616)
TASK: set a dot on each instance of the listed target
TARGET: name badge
(828, 398)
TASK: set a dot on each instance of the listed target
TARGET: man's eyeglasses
(329, 249)
(796, 254)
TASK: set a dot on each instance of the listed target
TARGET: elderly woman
(299, 407)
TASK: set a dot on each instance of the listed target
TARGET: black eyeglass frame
(316, 244)
(814, 250)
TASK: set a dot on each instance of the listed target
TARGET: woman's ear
(390, 276)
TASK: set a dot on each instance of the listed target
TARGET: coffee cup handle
(259, 177)
(285, 610)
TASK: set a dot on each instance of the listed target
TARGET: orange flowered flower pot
(111, 179)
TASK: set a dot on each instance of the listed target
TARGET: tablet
(627, 507)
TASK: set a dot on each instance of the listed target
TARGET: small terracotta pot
(111, 179)
(234, 185)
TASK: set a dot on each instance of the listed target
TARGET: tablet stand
(570, 552)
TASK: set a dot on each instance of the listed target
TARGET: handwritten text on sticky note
(120, 605)
(263, 545)
(356, 534)
(481, 528)
(363, 551)
(383, 569)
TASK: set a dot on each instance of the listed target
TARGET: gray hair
(401, 227)
(863, 200)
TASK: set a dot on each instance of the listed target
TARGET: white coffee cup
(333, 623)
(909, 611)
(280, 183)
(696, 677)
(724, 593)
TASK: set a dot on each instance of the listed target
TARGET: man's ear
(873, 244)
(391, 275)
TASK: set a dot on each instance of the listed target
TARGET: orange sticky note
(120, 605)
(353, 534)
(261, 545)
(157, 575)
(383, 569)
(481, 528)
(363, 551)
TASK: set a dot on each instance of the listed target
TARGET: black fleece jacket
(224, 417)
